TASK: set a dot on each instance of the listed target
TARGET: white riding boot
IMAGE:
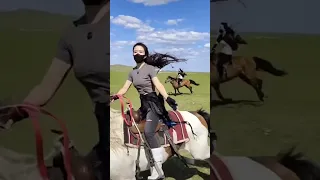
(158, 160)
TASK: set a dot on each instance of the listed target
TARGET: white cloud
(173, 37)
(111, 17)
(182, 43)
(207, 45)
(173, 21)
(148, 34)
(121, 44)
(153, 2)
(132, 23)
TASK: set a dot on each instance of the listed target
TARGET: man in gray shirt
(84, 47)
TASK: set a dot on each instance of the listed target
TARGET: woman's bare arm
(43, 92)
(125, 88)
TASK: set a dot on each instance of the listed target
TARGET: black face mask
(139, 58)
(93, 2)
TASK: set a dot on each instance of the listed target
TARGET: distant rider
(180, 76)
(227, 46)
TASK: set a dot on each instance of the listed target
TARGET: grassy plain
(290, 115)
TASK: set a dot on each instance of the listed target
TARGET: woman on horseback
(180, 76)
(144, 78)
(227, 45)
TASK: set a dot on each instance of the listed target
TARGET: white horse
(17, 166)
(122, 161)
(284, 166)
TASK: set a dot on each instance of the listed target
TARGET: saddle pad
(178, 133)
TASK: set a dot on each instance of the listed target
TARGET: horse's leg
(256, 83)
(216, 87)
(190, 88)
(178, 91)
(175, 91)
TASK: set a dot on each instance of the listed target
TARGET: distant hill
(33, 20)
(120, 68)
(124, 68)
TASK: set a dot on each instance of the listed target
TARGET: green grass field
(290, 115)
(25, 57)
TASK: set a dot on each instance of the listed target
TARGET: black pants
(152, 120)
(102, 112)
(222, 59)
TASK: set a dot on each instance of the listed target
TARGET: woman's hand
(9, 116)
(113, 98)
(172, 103)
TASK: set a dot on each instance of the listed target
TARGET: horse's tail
(193, 82)
(262, 64)
(303, 168)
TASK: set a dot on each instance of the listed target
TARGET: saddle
(141, 122)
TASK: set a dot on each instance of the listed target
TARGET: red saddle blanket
(178, 133)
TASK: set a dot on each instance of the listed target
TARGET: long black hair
(158, 60)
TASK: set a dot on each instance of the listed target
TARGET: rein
(129, 123)
(33, 112)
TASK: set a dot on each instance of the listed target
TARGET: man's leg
(102, 112)
(220, 65)
(230, 59)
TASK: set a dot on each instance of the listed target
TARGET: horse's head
(240, 40)
(80, 168)
(169, 79)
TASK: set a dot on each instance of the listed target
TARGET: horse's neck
(245, 168)
(116, 125)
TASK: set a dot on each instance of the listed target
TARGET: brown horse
(284, 166)
(186, 83)
(246, 69)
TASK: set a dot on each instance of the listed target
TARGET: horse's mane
(304, 169)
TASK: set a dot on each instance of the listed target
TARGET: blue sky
(286, 16)
(178, 27)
